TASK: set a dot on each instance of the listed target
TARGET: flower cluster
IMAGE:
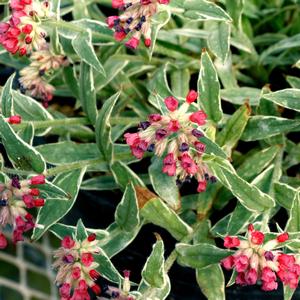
(33, 78)
(177, 134)
(110, 292)
(23, 32)
(255, 260)
(15, 197)
(77, 268)
(136, 20)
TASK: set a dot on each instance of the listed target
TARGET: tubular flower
(175, 136)
(33, 78)
(15, 197)
(23, 32)
(136, 20)
(16, 119)
(256, 260)
(76, 268)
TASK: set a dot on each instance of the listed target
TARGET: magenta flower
(135, 21)
(255, 260)
(16, 196)
(175, 136)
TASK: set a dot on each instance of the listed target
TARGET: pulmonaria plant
(258, 260)
(134, 21)
(23, 32)
(16, 196)
(76, 268)
(33, 79)
(176, 136)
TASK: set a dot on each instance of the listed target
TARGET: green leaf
(150, 292)
(200, 255)
(293, 81)
(289, 98)
(82, 45)
(153, 271)
(70, 77)
(212, 282)
(160, 214)
(7, 107)
(106, 268)
(30, 110)
(261, 127)
(22, 155)
(240, 95)
(87, 91)
(112, 66)
(288, 292)
(293, 224)
(219, 38)
(158, 22)
(27, 133)
(209, 89)
(204, 10)
(127, 212)
(55, 209)
(81, 233)
(212, 148)
(103, 128)
(249, 196)
(123, 175)
(50, 190)
(164, 185)
(284, 194)
(117, 239)
(231, 133)
(235, 9)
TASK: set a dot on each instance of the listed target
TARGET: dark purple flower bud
(129, 20)
(68, 259)
(3, 202)
(115, 294)
(206, 176)
(160, 134)
(145, 125)
(184, 147)
(269, 255)
(213, 179)
(151, 148)
(197, 133)
(15, 182)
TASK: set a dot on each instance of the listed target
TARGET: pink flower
(76, 272)
(241, 263)
(3, 27)
(257, 237)
(240, 279)
(198, 117)
(3, 241)
(131, 138)
(191, 96)
(39, 179)
(201, 186)
(169, 165)
(15, 119)
(117, 3)
(87, 259)
(132, 43)
(65, 290)
(173, 125)
(200, 147)
(171, 103)
(164, 1)
(67, 242)
(283, 237)
(139, 149)
(268, 275)
(269, 286)
(251, 277)
(188, 164)
(94, 274)
(147, 42)
(154, 118)
(228, 262)
(119, 35)
(111, 21)
(231, 242)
